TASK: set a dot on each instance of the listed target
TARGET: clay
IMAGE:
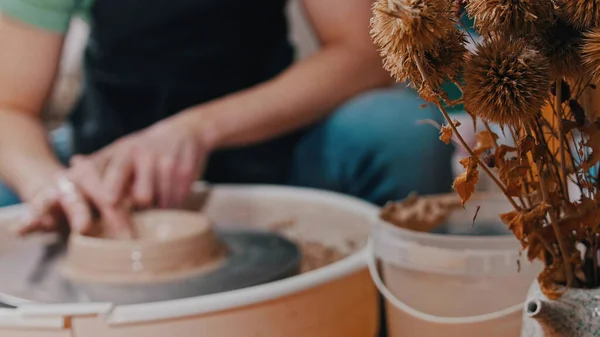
(420, 213)
(316, 255)
(169, 244)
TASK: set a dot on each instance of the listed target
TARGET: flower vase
(575, 313)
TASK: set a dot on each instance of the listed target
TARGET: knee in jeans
(388, 121)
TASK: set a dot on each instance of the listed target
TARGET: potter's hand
(72, 195)
(156, 166)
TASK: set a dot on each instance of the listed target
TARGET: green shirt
(53, 15)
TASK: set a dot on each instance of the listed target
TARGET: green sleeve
(53, 15)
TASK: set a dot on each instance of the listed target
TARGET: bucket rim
(510, 240)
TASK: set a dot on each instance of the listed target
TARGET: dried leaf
(526, 144)
(500, 154)
(524, 222)
(515, 223)
(446, 132)
(589, 213)
(507, 218)
(549, 280)
(535, 247)
(568, 125)
(485, 141)
(464, 184)
(511, 174)
(538, 212)
(588, 185)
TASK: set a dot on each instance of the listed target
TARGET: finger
(75, 206)
(30, 227)
(143, 185)
(92, 162)
(163, 178)
(44, 201)
(116, 219)
(40, 206)
(186, 172)
(78, 159)
(48, 222)
(86, 171)
(43, 223)
(117, 174)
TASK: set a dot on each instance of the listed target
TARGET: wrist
(200, 123)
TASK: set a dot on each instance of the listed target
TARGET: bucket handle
(387, 294)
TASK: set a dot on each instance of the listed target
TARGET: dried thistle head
(506, 82)
(398, 24)
(581, 14)
(511, 17)
(591, 53)
(444, 60)
(561, 44)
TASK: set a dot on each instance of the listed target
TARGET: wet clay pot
(168, 244)
(576, 313)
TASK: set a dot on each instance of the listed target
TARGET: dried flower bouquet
(529, 74)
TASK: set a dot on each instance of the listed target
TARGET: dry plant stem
(553, 134)
(581, 89)
(528, 189)
(523, 181)
(537, 128)
(462, 25)
(576, 87)
(571, 156)
(547, 246)
(554, 223)
(462, 140)
(459, 88)
(577, 179)
(561, 140)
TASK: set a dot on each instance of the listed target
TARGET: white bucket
(453, 285)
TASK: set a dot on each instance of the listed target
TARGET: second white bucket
(455, 284)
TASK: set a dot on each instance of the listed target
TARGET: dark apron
(149, 59)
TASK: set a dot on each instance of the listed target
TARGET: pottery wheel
(30, 273)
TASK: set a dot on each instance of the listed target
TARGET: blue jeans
(371, 148)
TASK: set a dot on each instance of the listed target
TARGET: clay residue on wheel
(315, 254)
(420, 213)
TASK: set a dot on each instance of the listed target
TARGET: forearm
(302, 95)
(26, 159)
